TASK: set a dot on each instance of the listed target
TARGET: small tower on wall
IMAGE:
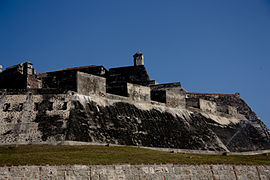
(138, 59)
(28, 68)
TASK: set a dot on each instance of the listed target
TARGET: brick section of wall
(141, 172)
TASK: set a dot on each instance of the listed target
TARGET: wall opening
(6, 107)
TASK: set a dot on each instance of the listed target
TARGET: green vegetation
(58, 155)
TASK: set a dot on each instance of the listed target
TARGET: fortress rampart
(132, 82)
(121, 106)
(171, 94)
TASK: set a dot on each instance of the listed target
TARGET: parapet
(130, 74)
(210, 106)
(66, 78)
(171, 93)
(88, 84)
(134, 92)
(138, 93)
(166, 86)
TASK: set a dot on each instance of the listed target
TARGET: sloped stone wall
(50, 118)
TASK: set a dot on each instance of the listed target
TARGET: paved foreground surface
(139, 172)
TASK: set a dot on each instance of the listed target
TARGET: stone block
(138, 93)
(175, 99)
(88, 84)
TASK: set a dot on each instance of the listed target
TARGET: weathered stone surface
(138, 93)
(88, 84)
(50, 118)
(134, 172)
(122, 106)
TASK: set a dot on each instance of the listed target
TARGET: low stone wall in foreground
(138, 172)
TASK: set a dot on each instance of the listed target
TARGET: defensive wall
(227, 103)
(132, 82)
(137, 172)
(210, 106)
(122, 106)
(25, 112)
(36, 116)
(171, 94)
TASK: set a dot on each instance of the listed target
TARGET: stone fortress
(122, 106)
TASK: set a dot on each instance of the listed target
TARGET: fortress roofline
(122, 67)
(215, 94)
(75, 68)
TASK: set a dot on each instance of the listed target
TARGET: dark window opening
(64, 107)
(6, 107)
(36, 106)
(50, 108)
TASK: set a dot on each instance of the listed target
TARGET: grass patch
(101, 155)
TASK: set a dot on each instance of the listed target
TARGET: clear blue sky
(209, 46)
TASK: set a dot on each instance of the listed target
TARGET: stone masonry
(137, 172)
(122, 106)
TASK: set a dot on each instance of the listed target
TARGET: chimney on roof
(138, 59)
(1, 67)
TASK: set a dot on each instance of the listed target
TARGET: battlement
(224, 102)
(171, 94)
(210, 106)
